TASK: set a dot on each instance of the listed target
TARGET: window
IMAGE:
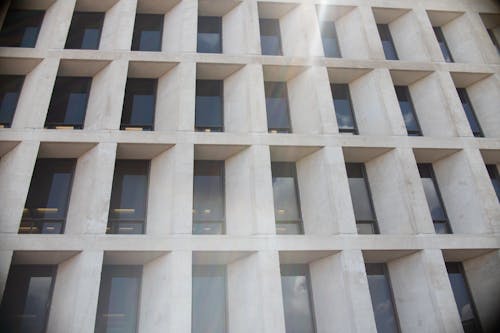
(270, 37)
(209, 299)
(366, 221)
(48, 197)
(343, 108)
(297, 299)
(208, 197)
(209, 114)
(85, 31)
(387, 43)
(442, 44)
(431, 189)
(495, 178)
(209, 34)
(278, 115)
(26, 299)
(382, 299)
(69, 103)
(10, 88)
(469, 112)
(139, 104)
(286, 198)
(148, 30)
(118, 299)
(463, 298)
(330, 40)
(408, 111)
(494, 40)
(127, 210)
(21, 28)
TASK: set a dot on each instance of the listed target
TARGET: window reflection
(366, 221)
(21, 27)
(26, 301)
(209, 114)
(286, 198)
(387, 42)
(139, 104)
(297, 300)
(382, 298)
(85, 31)
(209, 299)
(127, 210)
(278, 115)
(118, 299)
(330, 39)
(343, 108)
(442, 44)
(209, 34)
(469, 112)
(408, 111)
(10, 88)
(270, 36)
(208, 197)
(148, 31)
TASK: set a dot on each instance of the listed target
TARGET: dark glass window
(469, 112)
(127, 211)
(436, 206)
(208, 197)
(26, 300)
(278, 115)
(330, 40)
(366, 221)
(343, 108)
(408, 111)
(442, 44)
(297, 299)
(286, 198)
(85, 31)
(21, 28)
(10, 88)
(209, 34)
(494, 40)
(209, 299)
(387, 42)
(463, 298)
(495, 178)
(118, 299)
(382, 299)
(270, 37)
(139, 104)
(48, 197)
(209, 114)
(69, 102)
(148, 30)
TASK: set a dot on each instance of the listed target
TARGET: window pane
(381, 295)
(406, 106)
(26, 299)
(495, 178)
(286, 198)
(296, 299)
(209, 34)
(208, 197)
(209, 108)
(343, 108)
(85, 31)
(387, 43)
(469, 112)
(21, 27)
(10, 88)
(148, 30)
(270, 37)
(360, 194)
(139, 104)
(118, 299)
(278, 118)
(209, 299)
(68, 104)
(434, 200)
(330, 40)
(442, 44)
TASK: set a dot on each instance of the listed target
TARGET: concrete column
(391, 202)
(237, 94)
(91, 191)
(179, 28)
(165, 304)
(352, 37)
(56, 23)
(5, 260)
(76, 292)
(427, 35)
(252, 28)
(105, 105)
(462, 40)
(340, 293)
(483, 277)
(257, 97)
(294, 38)
(16, 169)
(485, 99)
(489, 51)
(234, 28)
(118, 26)
(414, 281)
(324, 100)
(406, 34)
(35, 96)
(390, 103)
(372, 37)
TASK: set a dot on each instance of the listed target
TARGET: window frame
(136, 34)
(276, 130)
(438, 33)
(387, 31)
(218, 129)
(33, 12)
(355, 130)
(99, 16)
(143, 127)
(220, 49)
(276, 23)
(464, 99)
(18, 83)
(322, 24)
(407, 93)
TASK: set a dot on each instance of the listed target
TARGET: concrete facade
(252, 251)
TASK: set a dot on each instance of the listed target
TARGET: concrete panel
(269, 279)
(485, 99)
(352, 38)
(179, 28)
(462, 40)
(237, 93)
(55, 25)
(118, 26)
(405, 32)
